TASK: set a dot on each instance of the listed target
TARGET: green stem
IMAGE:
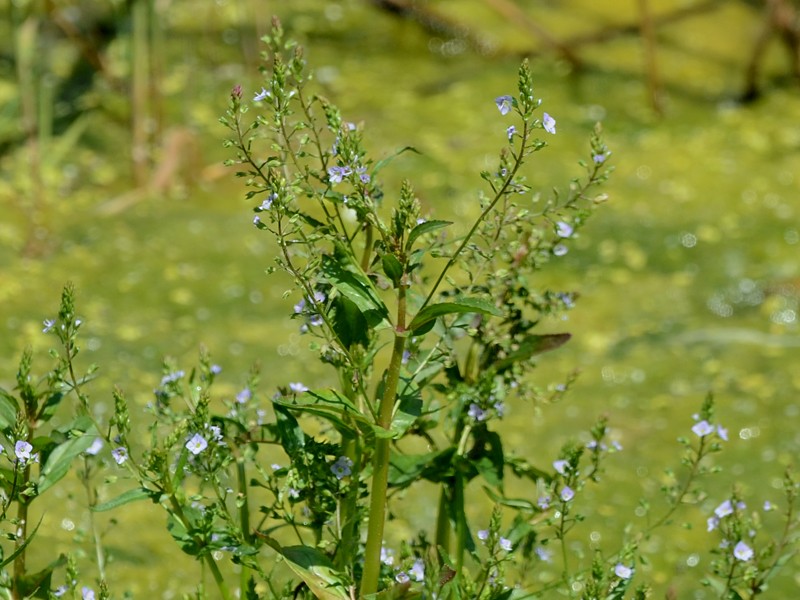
(380, 463)
(244, 518)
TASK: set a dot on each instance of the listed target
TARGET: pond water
(688, 277)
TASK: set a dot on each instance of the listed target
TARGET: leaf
(519, 504)
(531, 346)
(385, 161)
(350, 281)
(405, 469)
(8, 410)
(349, 323)
(424, 228)
(60, 459)
(21, 548)
(464, 305)
(290, 435)
(133, 495)
(318, 573)
(392, 268)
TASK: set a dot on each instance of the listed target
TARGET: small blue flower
(564, 229)
(504, 104)
(510, 132)
(87, 593)
(702, 428)
(622, 571)
(722, 433)
(337, 174)
(244, 396)
(543, 502)
(506, 544)
(215, 369)
(599, 158)
(262, 95)
(549, 124)
(267, 203)
(402, 577)
(120, 455)
(561, 466)
(298, 387)
(48, 325)
(567, 494)
(712, 523)
(387, 556)
(196, 444)
(171, 377)
(768, 506)
(560, 250)
(742, 551)
(724, 509)
(483, 534)
(543, 553)
(22, 449)
(417, 571)
(476, 412)
(256, 220)
(342, 467)
(96, 446)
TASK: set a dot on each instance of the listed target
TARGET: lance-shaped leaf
(531, 346)
(385, 161)
(424, 319)
(133, 495)
(314, 568)
(350, 281)
(60, 459)
(422, 229)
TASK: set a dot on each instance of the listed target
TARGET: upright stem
(380, 463)
(22, 535)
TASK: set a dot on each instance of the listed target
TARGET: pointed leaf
(317, 571)
(385, 161)
(464, 305)
(422, 229)
(133, 495)
(531, 346)
(350, 281)
(8, 410)
(60, 459)
(392, 268)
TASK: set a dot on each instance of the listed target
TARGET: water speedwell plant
(431, 329)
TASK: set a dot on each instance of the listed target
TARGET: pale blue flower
(722, 433)
(262, 95)
(342, 467)
(402, 577)
(476, 412)
(267, 203)
(48, 325)
(504, 104)
(724, 509)
(543, 502)
(543, 553)
(196, 444)
(560, 250)
(564, 229)
(768, 505)
(417, 571)
(561, 466)
(23, 450)
(599, 158)
(256, 220)
(742, 551)
(244, 396)
(549, 124)
(712, 523)
(298, 388)
(510, 132)
(567, 494)
(337, 174)
(622, 571)
(702, 428)
(120, 455)
(87, 593)
(171, 377)
(96, 446)
(483, 534)
(215, 369)
(387, 556)
(506, 544)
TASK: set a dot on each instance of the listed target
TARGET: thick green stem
(380, 463)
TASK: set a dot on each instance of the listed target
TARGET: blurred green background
(111, 177)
